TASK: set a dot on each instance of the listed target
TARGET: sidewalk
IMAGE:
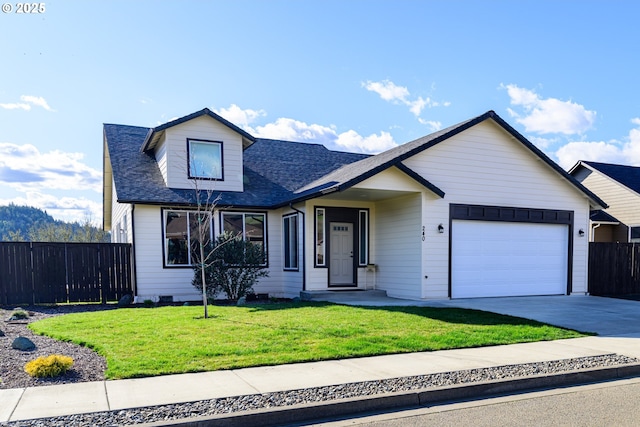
(50, 401)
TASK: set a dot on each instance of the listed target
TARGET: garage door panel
(508, 259)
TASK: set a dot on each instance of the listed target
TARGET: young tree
(203, 247)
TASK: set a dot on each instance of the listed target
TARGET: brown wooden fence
(49, 273)
(614, 269)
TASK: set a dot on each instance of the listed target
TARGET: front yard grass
(140, 342)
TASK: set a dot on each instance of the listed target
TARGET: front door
(341, 257)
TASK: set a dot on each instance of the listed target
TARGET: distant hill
(21, 219)
(25, 222)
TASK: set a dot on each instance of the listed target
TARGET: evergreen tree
(25, 223)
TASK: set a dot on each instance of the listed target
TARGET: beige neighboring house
(619, 187)
(473, 210)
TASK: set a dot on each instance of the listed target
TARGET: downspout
(304, 248)
(593, 231)
(134, 272)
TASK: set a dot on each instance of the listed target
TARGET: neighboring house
(619, 186)
(471, 210)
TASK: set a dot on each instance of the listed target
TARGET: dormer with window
(202, 151)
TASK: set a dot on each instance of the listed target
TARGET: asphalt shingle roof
(272, 170)
(629, 176)
(602, 216)
(280, 172)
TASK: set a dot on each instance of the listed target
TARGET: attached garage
(500, 251)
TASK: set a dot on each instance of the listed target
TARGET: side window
(634, 234)
(363, 238)
(290, 240)
(320, 236)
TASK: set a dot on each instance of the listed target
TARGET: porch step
(332, 295)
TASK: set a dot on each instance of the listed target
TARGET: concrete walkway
(49, 401)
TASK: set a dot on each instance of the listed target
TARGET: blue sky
(355, 75)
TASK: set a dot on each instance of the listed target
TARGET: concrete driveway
(604, 316)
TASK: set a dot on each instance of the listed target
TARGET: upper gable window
(205, 159)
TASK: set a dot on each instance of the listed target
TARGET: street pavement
(611, 403)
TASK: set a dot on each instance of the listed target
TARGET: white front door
(341, 256)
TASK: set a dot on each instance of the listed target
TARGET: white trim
(293, 238)
(244, 231)
(165, 241)
(324, 238)
(364, 249)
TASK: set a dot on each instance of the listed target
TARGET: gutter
(304, 247)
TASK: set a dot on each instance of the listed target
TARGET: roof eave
(416, 176)
(205, 111)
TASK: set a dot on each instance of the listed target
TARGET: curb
(279, 416)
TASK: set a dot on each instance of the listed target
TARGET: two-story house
(471, 210)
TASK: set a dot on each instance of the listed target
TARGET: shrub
(48, 366)
(19, 315)
(233, 266)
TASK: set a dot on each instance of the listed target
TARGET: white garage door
(491, 259)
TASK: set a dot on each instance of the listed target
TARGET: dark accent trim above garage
(510, 214)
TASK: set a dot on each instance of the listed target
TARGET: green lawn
(141, 342)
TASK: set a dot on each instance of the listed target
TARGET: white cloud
(352, 141)
(70, 209)
(37, 101)
(238, 116)
(288, 129)
(549, 115)
(16, 106)
(607, 152)
(391, 92)
(388, 90)
(542, 143)
(433, 125)
(626, 152)
(295, 130)
(25, 168)
(27, 102)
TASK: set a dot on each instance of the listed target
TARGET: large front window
(205, 159)
(184, 231)
(250, 226)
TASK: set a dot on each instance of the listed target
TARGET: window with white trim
(320, 237)
(363, 238)
(290, 240)
(634, 234)
(205, 159)
(182, 235)
(251, 226)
